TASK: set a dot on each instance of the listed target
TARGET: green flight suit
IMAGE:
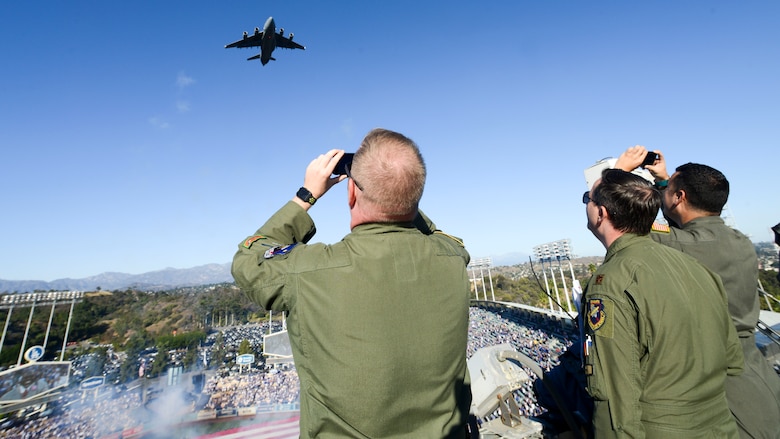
(659, 343)
(754, 396)
(378, 323)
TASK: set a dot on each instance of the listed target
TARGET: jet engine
(281, 31)
(246, 34)
(291, 36)
(257, 30)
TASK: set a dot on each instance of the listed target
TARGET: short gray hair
(391, 172)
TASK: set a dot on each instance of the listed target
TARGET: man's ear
(351, 197)
(604, 215)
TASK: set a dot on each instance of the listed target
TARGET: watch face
(306, 196)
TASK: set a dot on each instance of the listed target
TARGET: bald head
(391, 173)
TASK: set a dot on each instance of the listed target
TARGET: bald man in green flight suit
(378, 322)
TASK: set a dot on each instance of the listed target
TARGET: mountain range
(152, 281)
(164, 279)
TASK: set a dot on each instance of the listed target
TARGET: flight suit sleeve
(612, 364)
(735, 359)
(260, 265)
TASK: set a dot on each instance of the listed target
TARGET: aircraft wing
(254, 40)
(287, 43)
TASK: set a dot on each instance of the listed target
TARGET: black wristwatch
(306, 196)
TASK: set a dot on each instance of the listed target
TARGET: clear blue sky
(133, 141)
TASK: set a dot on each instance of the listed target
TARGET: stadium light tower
(9, 301)
(555, 251)
(481, 264)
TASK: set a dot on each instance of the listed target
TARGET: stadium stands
(538, 334)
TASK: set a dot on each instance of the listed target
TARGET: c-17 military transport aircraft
(267, 40)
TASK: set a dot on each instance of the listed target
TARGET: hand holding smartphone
(341, 166)
(650, 158)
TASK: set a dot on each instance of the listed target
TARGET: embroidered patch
(278, 250)
(599, 279)
(600, 318)
(251, 240)
(660, 228)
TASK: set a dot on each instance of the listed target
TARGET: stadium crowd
(487, 328)
(79, 418)
(506, 325)
(252, 389)
(232, 336)
(80, 415)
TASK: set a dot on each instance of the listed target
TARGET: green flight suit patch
(279, 250)
(251, 240)
(600, 317)
(661, 228)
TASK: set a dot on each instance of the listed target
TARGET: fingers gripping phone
(341, 166)
(650, 158)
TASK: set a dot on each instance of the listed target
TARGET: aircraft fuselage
(269, 40)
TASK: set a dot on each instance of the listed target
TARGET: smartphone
(341, 166)
(650, 158)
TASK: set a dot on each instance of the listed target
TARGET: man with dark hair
(659, 341)
(378, 322)
(693, 199)
(706, 188)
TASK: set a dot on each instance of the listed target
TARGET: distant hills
(170, 278)
(508, 259)
(152, 281)
(164, 279)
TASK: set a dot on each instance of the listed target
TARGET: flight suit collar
(376, 228)
(703, 220)
(627, 240)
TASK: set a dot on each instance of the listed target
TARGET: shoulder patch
(600, 317)
(459, 241)
(251, 240)
(278, 250)
(599, 279)
(660, 228)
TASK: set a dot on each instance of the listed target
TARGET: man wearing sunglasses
(659, 341)
(378, 322)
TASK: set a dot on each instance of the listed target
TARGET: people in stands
(378, 321)
(693, 199)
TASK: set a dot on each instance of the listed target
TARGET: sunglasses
(586, 198)
(346, 169)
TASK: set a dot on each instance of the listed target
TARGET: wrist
(304, 205)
